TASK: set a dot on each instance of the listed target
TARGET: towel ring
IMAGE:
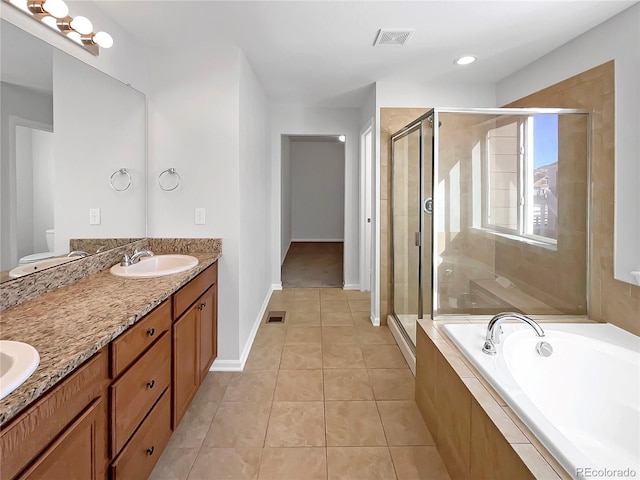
(169, 171)
(122, 171)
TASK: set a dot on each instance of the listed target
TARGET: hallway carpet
(313, 264)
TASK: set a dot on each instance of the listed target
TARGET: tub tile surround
(72, 321)
(477, 435)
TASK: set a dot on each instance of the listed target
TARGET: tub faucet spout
(493, 329)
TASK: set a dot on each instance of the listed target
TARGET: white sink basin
(28, 268)
(17, 362)
(156, 266)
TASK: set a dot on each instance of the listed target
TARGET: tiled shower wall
(610, 300)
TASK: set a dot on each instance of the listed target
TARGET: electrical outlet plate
(199, 216)
(94, 216)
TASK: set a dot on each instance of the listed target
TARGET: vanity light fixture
(55, 14)
(466, 60)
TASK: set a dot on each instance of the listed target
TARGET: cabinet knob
(150, 450)
(151, 383)
(202, 305)
(151, 332)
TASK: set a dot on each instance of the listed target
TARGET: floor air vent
(276, 317)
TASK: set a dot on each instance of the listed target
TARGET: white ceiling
(321, 52)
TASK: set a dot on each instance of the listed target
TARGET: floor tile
(347, 384)
(226, 463)
(264, 357)
(306, 319)
(251, 386)
(306, 293)
(194, 425)
(367, 334)
(298, 335)
(270, 335)
(239, 424)
(354, 423)
(332, 294)
(296, 424)
(213, 387)
(299, 386)
(357, 295)
(403, 423)
(360, 305)
(418, 463)
(392, 383)
(338, 319)
(174, 464)
(335, 306)
(359, 463)
(333, 335)
(293, 464)
(361, 319)
(383, 356)
(301, 357)
(305, 305)
(342, 356)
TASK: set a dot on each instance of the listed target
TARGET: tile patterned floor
(323, 396)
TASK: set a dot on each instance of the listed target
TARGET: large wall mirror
(73, 154)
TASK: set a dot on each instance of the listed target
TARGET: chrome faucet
(494, 330)
(135, 258)
(77, 253)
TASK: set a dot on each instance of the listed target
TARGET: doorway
(313, 210)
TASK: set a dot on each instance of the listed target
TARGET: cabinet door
(75, 454)
(207, 306)
(186, 362)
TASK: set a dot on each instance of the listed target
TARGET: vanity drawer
(130, 345)
(141, 454)
(188, 294)
(135, 392)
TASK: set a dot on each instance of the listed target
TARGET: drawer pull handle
(150, 450)
(202, 305)
(151, 383)
(151, 332)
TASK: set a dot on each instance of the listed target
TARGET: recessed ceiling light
(466, 60)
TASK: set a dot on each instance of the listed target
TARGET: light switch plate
(94, 216)
(199, 216)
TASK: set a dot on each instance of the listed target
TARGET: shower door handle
(427, 206)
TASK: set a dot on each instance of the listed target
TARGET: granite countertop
(69, 325)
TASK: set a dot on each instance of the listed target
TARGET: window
(521, 173)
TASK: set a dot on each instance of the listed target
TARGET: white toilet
(36, 257)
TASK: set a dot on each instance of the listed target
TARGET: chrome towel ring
(177, 179)
(122, 171)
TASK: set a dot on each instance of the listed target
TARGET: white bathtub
(582, 402)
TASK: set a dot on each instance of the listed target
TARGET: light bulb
(56, 8)
(22, 5)
(466, 60)
(103, 39)
(342, 138)
(75, 36)
(50, 22)
(82, 25)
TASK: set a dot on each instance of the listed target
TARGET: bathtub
(582, 402)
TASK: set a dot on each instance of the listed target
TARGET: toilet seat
(35, 257)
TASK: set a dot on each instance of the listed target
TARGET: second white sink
(156, 266)
(18, 361)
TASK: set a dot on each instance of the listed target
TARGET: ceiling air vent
(392, 37)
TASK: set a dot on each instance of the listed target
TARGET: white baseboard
(275, 286)
(351, 286)
(402, 343)
(375, 321)
(317, 240)
(238, 365)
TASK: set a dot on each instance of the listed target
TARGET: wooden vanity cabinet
(195, 308)
(65, 430)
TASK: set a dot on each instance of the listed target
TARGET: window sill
(516, 238)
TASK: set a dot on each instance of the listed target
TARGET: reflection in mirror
(66, 128)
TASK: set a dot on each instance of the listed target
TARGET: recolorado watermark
(589, 472)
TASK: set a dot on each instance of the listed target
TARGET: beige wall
(610, 300)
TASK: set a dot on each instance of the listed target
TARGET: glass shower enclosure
(489, 213)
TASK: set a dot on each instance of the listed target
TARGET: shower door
(411, 226)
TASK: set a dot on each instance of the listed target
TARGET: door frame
(366, 204)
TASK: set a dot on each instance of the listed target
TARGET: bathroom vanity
(121, 360)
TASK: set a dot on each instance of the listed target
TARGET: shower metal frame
(433, 116)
